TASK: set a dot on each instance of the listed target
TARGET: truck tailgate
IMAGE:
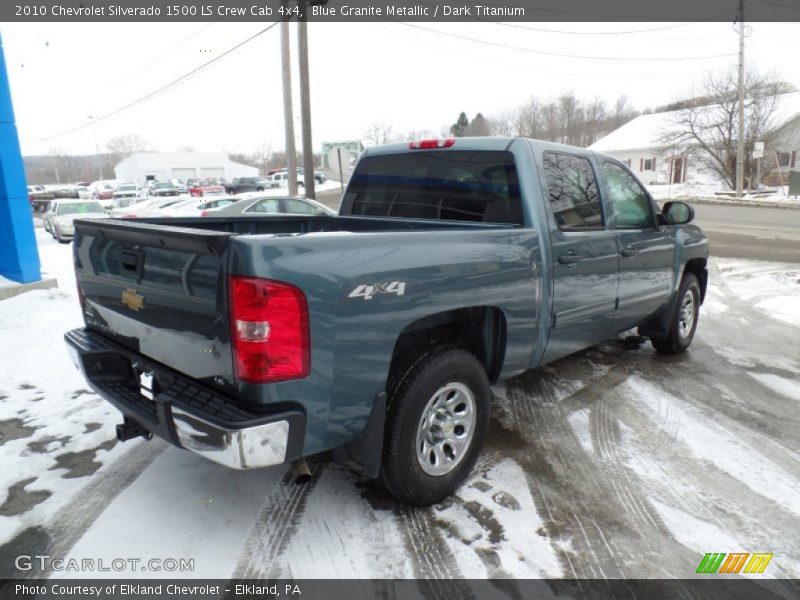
(159, 291)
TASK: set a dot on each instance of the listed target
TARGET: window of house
(573, 192)
(647, 164)
(630, 204)
(784, 158)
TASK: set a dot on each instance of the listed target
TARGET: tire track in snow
(78, 515)
(274, 527)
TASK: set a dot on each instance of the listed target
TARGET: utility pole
(305, 102)
(288, 115)
(740, 144)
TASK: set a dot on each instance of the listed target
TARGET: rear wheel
(684, 319)
(436, 423)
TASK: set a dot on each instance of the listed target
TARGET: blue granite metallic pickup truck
(452, 264)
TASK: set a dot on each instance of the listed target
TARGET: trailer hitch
(130, 429)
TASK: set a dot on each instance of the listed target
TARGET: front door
(585, 256)
(646, 250)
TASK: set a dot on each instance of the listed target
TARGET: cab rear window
(451, 185)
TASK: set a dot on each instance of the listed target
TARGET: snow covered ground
(663, 192)
(614, 462)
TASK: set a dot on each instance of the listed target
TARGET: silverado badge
(133, 300)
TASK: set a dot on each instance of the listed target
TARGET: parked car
(39, 197)
(66, 211)
(126, 190)
(141, 206)
(281, 179)
(103, 191)
(164, 189)
(47, 216)
(376, 333)
(180, 184)
(248, 184)
(206, 187)
(273, 205)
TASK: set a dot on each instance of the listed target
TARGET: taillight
(269, 330)
(433, 143)
(203, 213)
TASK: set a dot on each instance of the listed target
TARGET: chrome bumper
(258, 446)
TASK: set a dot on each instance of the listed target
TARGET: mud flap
(363, 454)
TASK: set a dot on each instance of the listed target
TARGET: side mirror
(677, 213)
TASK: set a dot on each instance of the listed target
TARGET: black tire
(401, 470)
(260, 189)
(680, 337)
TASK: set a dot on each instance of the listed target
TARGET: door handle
(569, 258)
(629, 251)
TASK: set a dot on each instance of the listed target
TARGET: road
(751, 232)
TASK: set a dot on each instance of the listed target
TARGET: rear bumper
(183, 411)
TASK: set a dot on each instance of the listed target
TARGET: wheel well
(697, 266)
(480, 330)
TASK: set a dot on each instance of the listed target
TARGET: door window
(266, 207)
(573, 192)
(630, 204)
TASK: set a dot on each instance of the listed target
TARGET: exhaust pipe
(130, 429)
(300, 471)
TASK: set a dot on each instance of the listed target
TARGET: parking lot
(614, 462)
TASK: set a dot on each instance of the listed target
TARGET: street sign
(758, 150)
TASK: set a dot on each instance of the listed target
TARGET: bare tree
(380, 133)
(707, 128)
(122, 146)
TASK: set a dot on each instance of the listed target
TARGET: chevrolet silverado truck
(376, 333)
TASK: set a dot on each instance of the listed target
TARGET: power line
(557, 54)
(163, 88)
(529, 69)
(164, 55)
(626, 32)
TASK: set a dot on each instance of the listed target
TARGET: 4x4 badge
(368, 291)
(132, 300)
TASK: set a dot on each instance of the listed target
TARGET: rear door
(646, 250)
(585, 255)
(159, 291)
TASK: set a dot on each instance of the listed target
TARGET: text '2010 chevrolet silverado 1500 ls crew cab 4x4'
(376, 333)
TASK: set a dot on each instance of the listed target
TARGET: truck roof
(480, 143)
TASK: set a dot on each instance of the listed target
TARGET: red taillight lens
(428, 144)
(269, 330)
(203, 213)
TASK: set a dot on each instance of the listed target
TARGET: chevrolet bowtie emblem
(132, 300)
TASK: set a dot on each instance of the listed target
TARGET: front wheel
(684, 319)
(435, 426)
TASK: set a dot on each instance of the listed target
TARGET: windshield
(452, 185)
(161, 186)
(74, 208)
(126, 188)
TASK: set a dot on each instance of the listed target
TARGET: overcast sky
(410, 76)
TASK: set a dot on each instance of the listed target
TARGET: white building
(143, 166)
(636, 144)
